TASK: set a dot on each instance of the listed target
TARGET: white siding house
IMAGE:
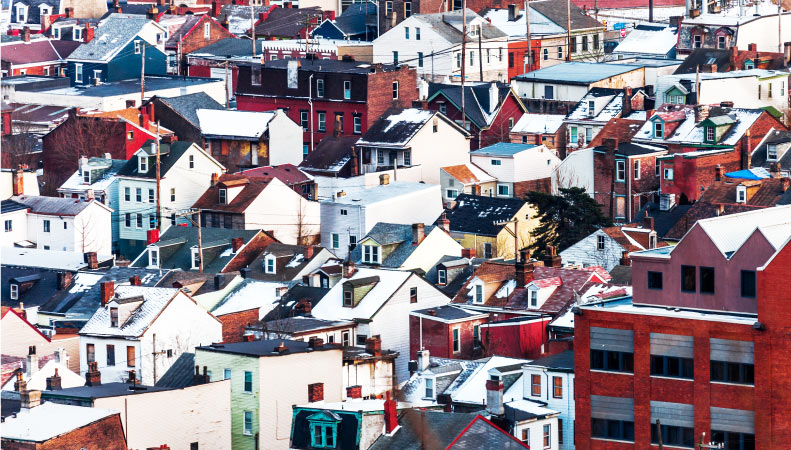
(514, 163)
(550, 380)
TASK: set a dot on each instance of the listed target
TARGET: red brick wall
(196, 40)
(105, 434)
(233, 324)
(438, 338)
(516, 341)
(54, 70)
(690, 174)
(249, 253)
(500, 129)
(380, 88)
(541, 185)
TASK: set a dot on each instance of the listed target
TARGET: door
(394, 158)
(549, 92)
(220, 73)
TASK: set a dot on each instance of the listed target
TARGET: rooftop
(502, 149)
(267, 348)
(477, 214)
(110, 37)
(103, 390)
(154, 301)
(626, 306)
(381, 193)
(244, 125)
(563, 361)
(538, 123)
(582, 73)
(50, 420)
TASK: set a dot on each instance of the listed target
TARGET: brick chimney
(19, 181)
(236, 244)
(307, 252)
(355, 163)
(551, 258)
(153, 14)
(282, 348)
(315, 392)
(53, 382)
(336, 129)
(494, 397)
(132, 377)
(391, 414)
(355, 391)
(610, 143)
(92, 260)
(709, 68)
(88, 33)
(348, 268)
(69, 12)
(444, 222)
(26, 34)
(30, 399)
(468, 253)
(625, 261)
(786, 183)
(373, 346)
(135, 280)
(718, 173)
(626, 107)
(524, 269)
(752, 47)
(63, 280)
(107, 291)
(214, 9)
(198, 378)
(418, 233)
(93, 377)
(648, 221)
(733, 55)
(20, 385)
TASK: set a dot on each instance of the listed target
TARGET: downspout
(310, 102)
(629, 175)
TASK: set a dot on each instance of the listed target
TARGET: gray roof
(103, 390)
(576, 72)
(266, 348)
(238, 17)
(388, 234)
(229, 47)
(90, 301)
(301, 324)
(187, 105)
(33, 11)
(562, 361)
(448, 25)
(113, 35)
(449, 312)
(556, 11)
(169, 155)
(180, 374)
(52, 205)
(7, 206)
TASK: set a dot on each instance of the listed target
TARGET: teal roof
(502, 149)
(577, 72)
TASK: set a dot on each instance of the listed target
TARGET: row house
(649, 41)
(490, 109)
(569, 82)
(36, 14)
(323, 96)
(716, 299)
(289, 23)
(69, 27)
(596, 109)
(242, 202)
(187, 34)
(431, 43)
(38, 57)
(180, 114)
(137, 190)
(710, 60)
(222, 59)
(518, 168)
(408, 139)
(772, 153)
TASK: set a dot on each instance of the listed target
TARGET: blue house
(356, 23)
(116, 51)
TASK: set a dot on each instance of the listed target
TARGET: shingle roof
(38, 51)
(110, 38)
(189, 22)
(421, 429)
(154, 301)
(230, 47)
(620, 129)
(169, 155)
(50, 420)
(557, 11)
(476, 214)
(353, 19)
(468, 173)
(187, 105)
(763, 193)
(389, 234)
(290, 260)
(238, 17)
(33, 11)
(289, 174)
(664, 221)
(104, 390)
(267, 348)
(53, 205)
(780, 138)
(448, 25)
(396, 127)
(478, 107)
(296, 295)
(286, 22)
(252, 188)
(702, 56)
(180, 374)
(562, 361)
(332, 154)
(8, 206)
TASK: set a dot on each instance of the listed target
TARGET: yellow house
(488, 224)
(405, 247)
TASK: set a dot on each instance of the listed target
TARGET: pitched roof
(353, 20)
(477, 100)
(289, 305)
(33, 11)
(576, 72)
(110, 37)
(154, 302)
(251, 189)
(647, 39)
(38, 51)
(563, 361)
(702, 56)
(730, 232)
(761, 193)
(289, 174)
(389, 281)
(538, 123)
(54, 205)
(290, 260)
(739, 121)
(331, 155)
(477, 214)
(244, 125)
(286, 22)
(617, 128)
(187, 105)
(186, 25)
(170, 153)
(419, 428)
(391, 234)
(468, 173)
(249, 294)
(396, 127)
(781, 139)
(180, 374)
(50, 420)
(238, 17)
(610, 110)
(448, 25)
(230, 47)
(557, 11)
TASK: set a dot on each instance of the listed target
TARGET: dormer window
(475, 30)
(86, 176)
(195, 258)
(77, 34)
(348, 299)
(442, 277)
(269, 264)
(478, 298)
(153, 257)
(659, 130)
(44, 10)
(323, 431)
(771, 152)
(114, 317)
(370, 254)
(21, 13)
(748, 65)
(142, 164)
(533, 298)
(591, 108)
(741, 194)
(223, 196)
(710, 134)
(13, 291)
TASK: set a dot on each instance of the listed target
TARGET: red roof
(38, 51)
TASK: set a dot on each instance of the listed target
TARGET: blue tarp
(749, 174)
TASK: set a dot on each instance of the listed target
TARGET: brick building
(197, 32)
(678, 353)
(343, 94)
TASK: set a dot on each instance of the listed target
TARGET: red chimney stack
(19, 181)
(391, 414)
(88, 36)
(108, 291)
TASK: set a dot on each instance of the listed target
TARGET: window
(612, 361)
(557, 387)
(110, 355)
(407, 157)
(78, 73)
(395, 57)
(526, 436)
(388, 7)
(270, 264)
(196, 260)
(654, 280)
(128, 220)
(127, 194)
(710, 134)
(153, 256)
(248, 382)
(588, 135)
(771, 152)
(456, 342)
(442, 276)
(348, 299)
(151, 196)
(194, 446)
(671, 366)
(734, 440)
(496, 162)
(599, 242)
(673, 435)
(429, 388)
(86, 176)
(510, 59)
(535, 385)
(344, 212)
(707, 280)
(380, 157)
(90, 353)
(636, 169)
(659, 130)
(534, 298)
(395, 90)
(472, 58)
(584, 43)
(138, 47)
(417, 29)
(487, 250)
(759, 92)
(114, 317)
(319, 88)
(13, 291)
(322, 119)
(347, 90)
(748, 283)
(413, 295)
(668, 175)
(545, 54)
(77, 34)
(303, 120)
(732, 372)
(408, 12)
(620, 170)
(305, 151)
(458, 60)
(339, 121)
(371, 254)
(696, 41)
(657, 167)
(336, 240)
(748, 65)
(478, 293)
(452, 193)
(139, 195)
(248, 423)
(503, 190)
(406, 32)
(46, 226)
(65, 225)
(619, 430)
(358, 124)
(420, 59)
(346, 339)
(688, 279)
(476, 336)
(573, 43)
(720, 41)
(322, 434)
(130, 356)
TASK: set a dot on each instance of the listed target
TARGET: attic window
(323, 433)
(534, 298)
(44, 10)
(442, 277)
(269, 264)
(771, 152)
(659, 130)
(475, 30)
(741, 194)
(599, 242)
(591, 108)
(86, 176)
(348, 298)
(748, 65)
(142, 164)
(138, 47)
(195, 258)
(370, 254)
(114, 317)
(710, 134)
(223, 196)
(14, 291)
(153, 256)
(478, 294)
(21, 13)
(206, 30)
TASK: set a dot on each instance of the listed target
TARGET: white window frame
(347, 89)
(636, 169)
(452, 193)
(21, 10)
(191, 160)
(335, 240)
(430, 381)
(270, 264)
(207, 30)
(534, 298)
(600, 242)
(222, 195)
(771, 152)
(620, 170)
(477, 294)
(358, 124)
(194, 258)
(13, 292)
(507, 190)
(77, 34)
(138, 47)
(8, 225)
(659, 130)
(247, 431)
(86, 176)
(668, 173)
(371, 254)
(153, 256)
(456, 339)
(496, 162)
(547, 435)
(142, 164)
(78, 72)
(395, 90)
(319, 87)
(442, 276)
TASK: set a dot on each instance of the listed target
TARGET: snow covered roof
(331, 306)
(251, 294)
(154, 301)
(689, 132)
(38, 381)
(607, 104)
(730, 232)
(369, 195)
(733, 15)
(50, 420)
(396, 127)
(473, 389)
(50, 259)
(539, 24)
(538, 123)
(649, 39)
(248, 125)
(102, 176)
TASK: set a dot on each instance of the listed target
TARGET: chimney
(315, 343)
(494, 397)
(160, 2)
(423, 360)
(355, 163)
(315, 392)
(625, 261)
(752, 47)
(726, 104)
(307, 307)
(107, 291)
(214, 178)
(198, 378)
(355, 391)
(150, 110)
(30, 399)
(214, 10)
(307, 252)
(494, 97)
(524, 269)
(69, 12)
(244, 272)
(19, 181)
(648, 221)
(733, 56)
(64, 280)
(153, 14)
(336, 130)
(718, 173)
(53, 382)
(418, 233)
(513, 12)
(626, 107)
(391, 414)
(701, 113)
(675, 21)
(87, 33)
(32, 361)
(152, 236)
(282, 348)
(786, 183)
(93, 377)
(468, 253)
(373, 346)
(384, 179)
(709, 68)
(92, 260)
(236, 244)
(135, 280)
(20, 385)
(551, 259)
(787, 52)
(26, 34)
(348, 268)
(218, 279)
(444, 222)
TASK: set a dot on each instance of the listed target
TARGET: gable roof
(477, 214)
(563, 361)
(703, 56)
(247, 295)
(419, 428)
(477, 100)
(557, 11)
(779, 138)
(50, 420)
(448, 25)
(353, 20)
(286, 22)
(170, 153)
(289, 174)
(290, 260)
(728, 233)
(468, 173)
(251, 189)
(243, 125)
(610, 111)
(390, 234)
(54, 206)
(331, 306)
(155, 300)
(538, 123)
(761, 193)
(33, 11)
(649, 39)
(740, 120)
(332, 154)
(238, 17)
(621, 129)
(42, 50)
(230, 47)
(187, 105)
(110, 37)
(396, 127)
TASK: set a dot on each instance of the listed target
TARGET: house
(518, 168)
(261, 411)
(772, 153)
(648, 41)
(490, 109)
(114, 51)
(607, 246)
(325, 95)
(17, 182)
(96, 178)
(36, 373)
(58, 426)
(69, 27)
(485, 224)
(19, 336)
(540, 129)
(570, 81)
(405, 246)
(596, 109)
(210, 61)
(380, 300)
(410, 137)
(236, 18)
(292, 176)
(246, 303)
(283, 262)
(40, 57)
(179, 114)
(448, 331)
(243, 139)
(729, 255)
(57, 223)
(288, 23)
(236, 201)
(137, 186)
(174, 415)
(332, 157)
(417, 38)
(190, 34)
(143, 329)
(27, 13)
(726, 60)
(352, 212)
(353, 24)
(464, 179)
(220, 251)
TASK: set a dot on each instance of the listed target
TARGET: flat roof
(124, 87)
(626, 305)
(50, 420)
(378, 193)
(502, 149)
(267, 348)
(103, 390)
(577, 72)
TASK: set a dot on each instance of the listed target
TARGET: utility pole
(463, 59)
(227, 96)
(568, 30)
(178, 58)
(159, 201)
(529, 58)
(310, 103)
(143, 74)
(480, 58)
(596, 10)
(252, 26)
